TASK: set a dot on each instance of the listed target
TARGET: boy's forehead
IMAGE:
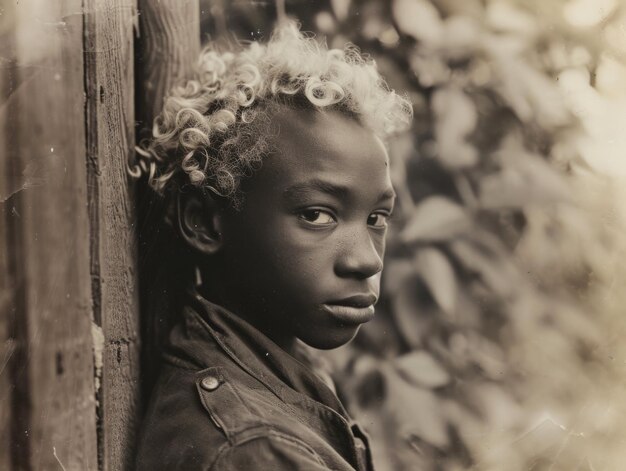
(327, 148)
(307, 131)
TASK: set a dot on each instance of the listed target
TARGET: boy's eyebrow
(337, 190)
(316, 184)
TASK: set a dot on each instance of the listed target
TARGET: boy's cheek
(300, 242)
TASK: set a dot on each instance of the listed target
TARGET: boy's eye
(377, 220)
(317, 216)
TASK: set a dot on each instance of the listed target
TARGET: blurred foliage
(497, 344)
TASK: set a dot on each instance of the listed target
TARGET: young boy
(273, 162)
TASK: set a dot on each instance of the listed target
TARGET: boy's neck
(255, 317)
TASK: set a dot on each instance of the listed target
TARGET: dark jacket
(228, 398)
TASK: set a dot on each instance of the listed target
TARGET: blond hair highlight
(212, 131)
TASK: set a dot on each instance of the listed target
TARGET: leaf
(488, 356)
(416, 411)
(438, 274)
(413, 318)
(461, 36)
(531, 93)
(463, 418)
(419, 19)
(435, 219)
(341, 8)
(430, 70)
(499, 274)
(512, 189)
(421, 369)
(456, 118)
(456, 112)
(525, 180)
(498, 404)
(506, 18)
(370, 391)
(414, 312)
(395, 273)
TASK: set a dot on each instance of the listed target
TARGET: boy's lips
(356, 309)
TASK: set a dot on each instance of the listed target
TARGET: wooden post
(7, 282)
(69, 326)
(46, 238)
(68, 290)
(110, 125)
(168, 46)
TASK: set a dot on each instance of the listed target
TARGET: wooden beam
(47, 240)
(169, 45)
(110, 122)
(68, 292)
(7, 289)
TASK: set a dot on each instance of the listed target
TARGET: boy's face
(303, 258)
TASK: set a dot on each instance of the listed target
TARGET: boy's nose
(359, 257)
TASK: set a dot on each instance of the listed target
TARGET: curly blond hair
(213, 131)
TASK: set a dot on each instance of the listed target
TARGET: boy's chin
(330, 340)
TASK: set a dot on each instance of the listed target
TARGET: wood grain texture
(110, 120)
(53, 403)
(168, 46)
(7, 290)
(7, 303)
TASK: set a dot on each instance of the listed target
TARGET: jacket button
(210, 383)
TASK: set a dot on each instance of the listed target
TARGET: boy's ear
(200, 220)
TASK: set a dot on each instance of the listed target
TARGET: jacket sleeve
(269, 452)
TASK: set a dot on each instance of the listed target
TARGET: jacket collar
(207, 327)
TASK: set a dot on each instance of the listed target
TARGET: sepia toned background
(499, 339)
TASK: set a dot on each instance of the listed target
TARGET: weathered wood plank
(7, 344)
(109, 82)
(169, 44)
(53, 400)
(7, 292)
